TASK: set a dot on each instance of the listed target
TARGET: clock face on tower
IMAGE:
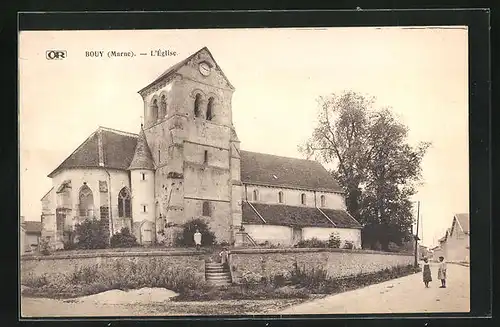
(204, 69)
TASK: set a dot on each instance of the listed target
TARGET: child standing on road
(442, 272)
(427, 273)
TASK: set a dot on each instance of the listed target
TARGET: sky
(278, 75)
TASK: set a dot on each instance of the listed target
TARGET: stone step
(223, 276)
(220, 265)
(215, 270)
(217, 277)
(220, 283)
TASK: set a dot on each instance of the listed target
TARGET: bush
(35, 281)
(84, 275)
(312, 243)
(393, 247)
(91, 235)
(123, 239)
(186, 238)
(334, 241)
(308, 277)
(348, 245)
(377, 246)
(68, 245)
(44, 246)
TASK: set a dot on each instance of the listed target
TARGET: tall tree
(340, 138)
(373, 162)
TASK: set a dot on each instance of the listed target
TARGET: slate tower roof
(142, 156)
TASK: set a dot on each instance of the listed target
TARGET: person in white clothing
(197, 239)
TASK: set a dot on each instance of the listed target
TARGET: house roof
(43, 197)
(32, 226)
(284, 215)
(341, 218)
(463, 221)
(173, 69)
(106, 147)
(142, 156)
(267, 169)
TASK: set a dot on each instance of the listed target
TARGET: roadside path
(402, 295)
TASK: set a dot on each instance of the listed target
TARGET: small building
(457, 243)
(32, 233)
(454, 245)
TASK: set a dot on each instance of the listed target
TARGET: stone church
(186, 163)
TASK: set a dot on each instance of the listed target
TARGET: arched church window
(197, 102)
(124, 207)
(154, 111)
(303, 198)
(206, 209)
(86, 202)
(323, 201)
(280, 197)
(255, 195)
(163, 107)
(210, 106)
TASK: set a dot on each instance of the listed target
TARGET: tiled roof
(463, 221)
(267, 169)
(119, 148)
(117, 151)
(32, 226)
(341, 218)
(178, 65)
(142, 156)
(283, 215)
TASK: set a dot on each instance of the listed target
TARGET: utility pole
(416, 235)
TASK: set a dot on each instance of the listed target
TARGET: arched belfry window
(303, 198)
(124, 208)
(154, 111)
(206, 209)
(210, 112)
(197, 103)
(163, 107)
(255, 195)
(323, 201)
(280, 197)
(86, 202)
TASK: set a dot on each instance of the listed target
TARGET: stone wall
(337, 262)
(66, 264)
(264, 262)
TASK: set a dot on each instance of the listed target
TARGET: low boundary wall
(260, 262)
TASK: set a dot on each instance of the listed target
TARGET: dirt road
(402, 295)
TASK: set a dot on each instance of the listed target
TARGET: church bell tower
(189, 130)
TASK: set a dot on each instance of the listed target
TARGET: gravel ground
(41, 307)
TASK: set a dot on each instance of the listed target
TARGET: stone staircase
(216, 274)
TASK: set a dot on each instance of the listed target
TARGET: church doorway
(146, 233)
(296, 235)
